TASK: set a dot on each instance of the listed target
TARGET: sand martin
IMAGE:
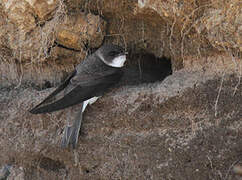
(90, 80)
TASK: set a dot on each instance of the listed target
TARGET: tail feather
(75, 134)
(66, 137)
(72, 132)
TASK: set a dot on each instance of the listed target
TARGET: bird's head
(112, 55)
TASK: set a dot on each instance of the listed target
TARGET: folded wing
(77, 88)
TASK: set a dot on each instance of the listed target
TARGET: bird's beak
(122, 53)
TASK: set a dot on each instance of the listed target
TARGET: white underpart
(89, 101)
(116, 62)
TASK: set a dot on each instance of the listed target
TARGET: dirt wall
(176, 114)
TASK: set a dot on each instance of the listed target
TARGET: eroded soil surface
(186, 127)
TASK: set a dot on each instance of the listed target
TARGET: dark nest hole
(140, 68)
(146, 68)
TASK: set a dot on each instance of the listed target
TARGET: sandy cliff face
(185, 127)
(48, 37)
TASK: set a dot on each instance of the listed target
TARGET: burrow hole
(146, 68)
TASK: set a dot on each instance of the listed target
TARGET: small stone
(77, 31)
(44, 8)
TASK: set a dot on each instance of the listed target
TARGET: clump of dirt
(179, 31)
(45, 42)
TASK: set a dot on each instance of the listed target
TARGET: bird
(94, 76)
